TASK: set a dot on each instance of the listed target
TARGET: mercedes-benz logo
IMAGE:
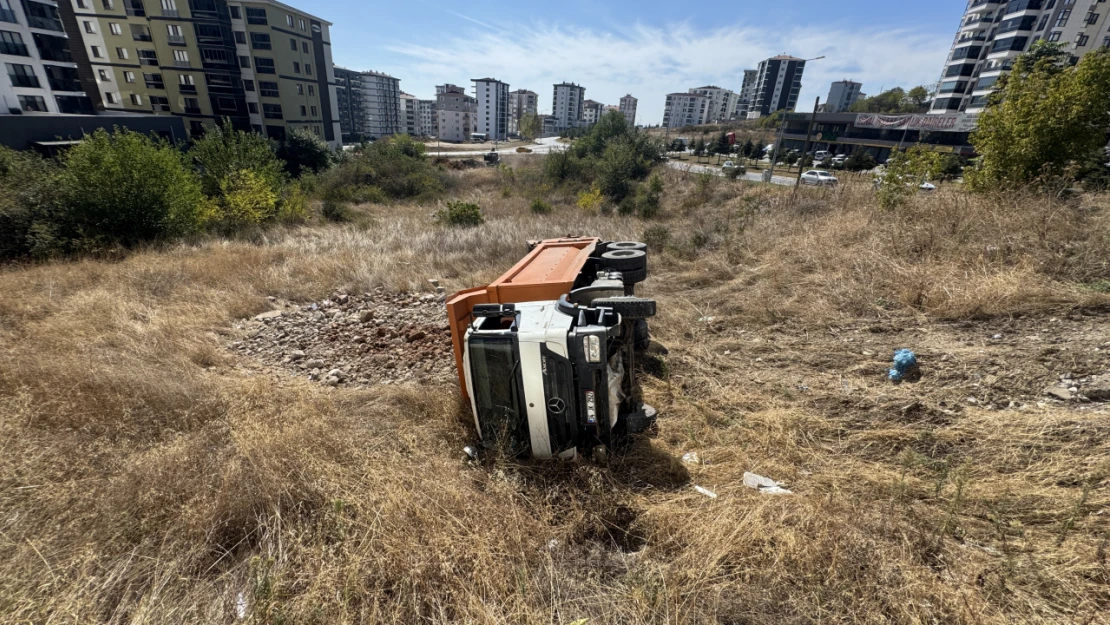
(556, 405)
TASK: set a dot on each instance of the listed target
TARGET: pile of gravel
(355, 340)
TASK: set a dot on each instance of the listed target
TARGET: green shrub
(657, 238)
(223, 152)
(540, 207)
(30, 215)
(388, 169)
(460, 214)
(336, 211)
(294, 206)
(125, 188)
(590, 201)
(304, 152)
(245, 200)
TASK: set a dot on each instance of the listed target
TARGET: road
(546, 145)
(786, 181)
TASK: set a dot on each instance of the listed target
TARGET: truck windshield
(497, 390)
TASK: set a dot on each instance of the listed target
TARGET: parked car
(729, 165)
(819, 177)
(821, 156)
(839, 159)
(927, 186)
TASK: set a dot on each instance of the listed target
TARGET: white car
(819, 177)
(927, 186)
(729, 165)
(839, 159)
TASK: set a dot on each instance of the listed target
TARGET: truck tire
(628, 307)
(627, 245)
(641, 335)
(634, 276)
(625, 260)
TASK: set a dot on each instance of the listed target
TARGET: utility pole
(805, 146)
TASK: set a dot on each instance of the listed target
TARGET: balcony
(182, 64)
(190, 89)
(193, 110)
(170, 13)
(134, 8)
(71, 85)
(16, 49)
(175, 40)
(19, 80)
(45, 23)
(142, 37)
(7, 15)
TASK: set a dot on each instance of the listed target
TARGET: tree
(748, 150)
(919, 97)
(905, 171)
(699, 148)
(860, 160)
(894, 101)
(678, 145)
(225, 151)
(721, 146)
(530, 127)
(125, 188)
(1046, 118)
(303, 151)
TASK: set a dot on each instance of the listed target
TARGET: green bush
(304, 152)
(294, 205)
(860, 160)
(460, 214)
(245, 200)
(126, 188)
(30, 214)
(389, 169)
(540, 207)
(223, 152)
(336, 211)
(657, 238)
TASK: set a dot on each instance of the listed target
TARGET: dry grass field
(148, 475)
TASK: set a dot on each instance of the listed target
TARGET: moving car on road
(819, 177)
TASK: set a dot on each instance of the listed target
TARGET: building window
(196, 128)
(181, 58)
(302, 24)
(1082, 40)
(1053, 36)
(304, 111)
(240, 37)
(23, 76)
(226, 104)
(256, 16)
(175, 34)
(110, 97)
(192, 105)
(89, 28)
(169, 8)
(264, 66)
(136, 99)
(154, 81)
(311, 90)
(235, 13)
(32, 103)
(129, 77)
(308, 68)
(1062, 20)
(272, 111)
(148, 57)
(108, 4)
(260, 41)
(103, 74)
(304, 47)
(300, 89)
(289, 21)
(313, 111)
(187, 79)
(121, 53)
(248, 85)
(160, 103)
(82, 4)
(140, 33)
(245, 62)
(252, 107)
(97, 54)
(268, 89)
(293, 44)
(296, 67)
(115, 28)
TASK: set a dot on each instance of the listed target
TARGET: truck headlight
(591, 407)
(592, 346)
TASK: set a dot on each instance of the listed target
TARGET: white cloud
(651, 62)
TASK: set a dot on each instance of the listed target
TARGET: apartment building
(259, 63)
(628, 109)
(722, 103)
(842, 95)
(747, 93)
(409, 110)
(592, 112)
(42, 75)
(521, 102)
(777, 86)
(993, 32)
(685, 109)
(566, 105)
(426, 110)
(348, 88)
(493, 108)
(457, 113)
(381, 104)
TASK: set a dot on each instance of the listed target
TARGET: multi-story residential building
(381, 103)
(348, 88)
(778, 86)
(592, 112)
(457, 113)
(685, 109)
(842, 95)
(993, 32)
(628, 109)
(427, 115)
(42, 75)
(521, 102)
(567, 105)
(493, 108)
(410, 114)
(259, 63)
(722, 103)
(747, 93)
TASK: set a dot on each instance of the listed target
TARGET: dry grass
(147, 476)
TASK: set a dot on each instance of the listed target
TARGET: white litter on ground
(765, 484)
(706, 492)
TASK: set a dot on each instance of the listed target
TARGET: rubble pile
(355, 340)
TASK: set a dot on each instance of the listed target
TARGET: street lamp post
(782, 129)
(805, 146)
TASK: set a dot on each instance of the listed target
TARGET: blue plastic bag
(905, 362)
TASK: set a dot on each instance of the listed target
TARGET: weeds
(460, 214)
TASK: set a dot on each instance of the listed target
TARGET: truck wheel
(627, 245)
(641, 335)
(628, 307)
(625, 260)
(634, 276)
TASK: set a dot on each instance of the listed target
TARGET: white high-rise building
(628, 109)
(410, 114)
(567, 105)
(426, 111)
(456, 113)
(521, 103)
(685, 109)
(991, 33)
(34, 51)
(842, 95)
(722, 103)
(592, 112)
(381, 105)
(493, 108)
(778, 86)
(747, 93)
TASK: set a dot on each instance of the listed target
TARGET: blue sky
(647, 48)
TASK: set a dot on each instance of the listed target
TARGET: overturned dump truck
(546, 353)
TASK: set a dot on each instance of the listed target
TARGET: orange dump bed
(546, 273)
